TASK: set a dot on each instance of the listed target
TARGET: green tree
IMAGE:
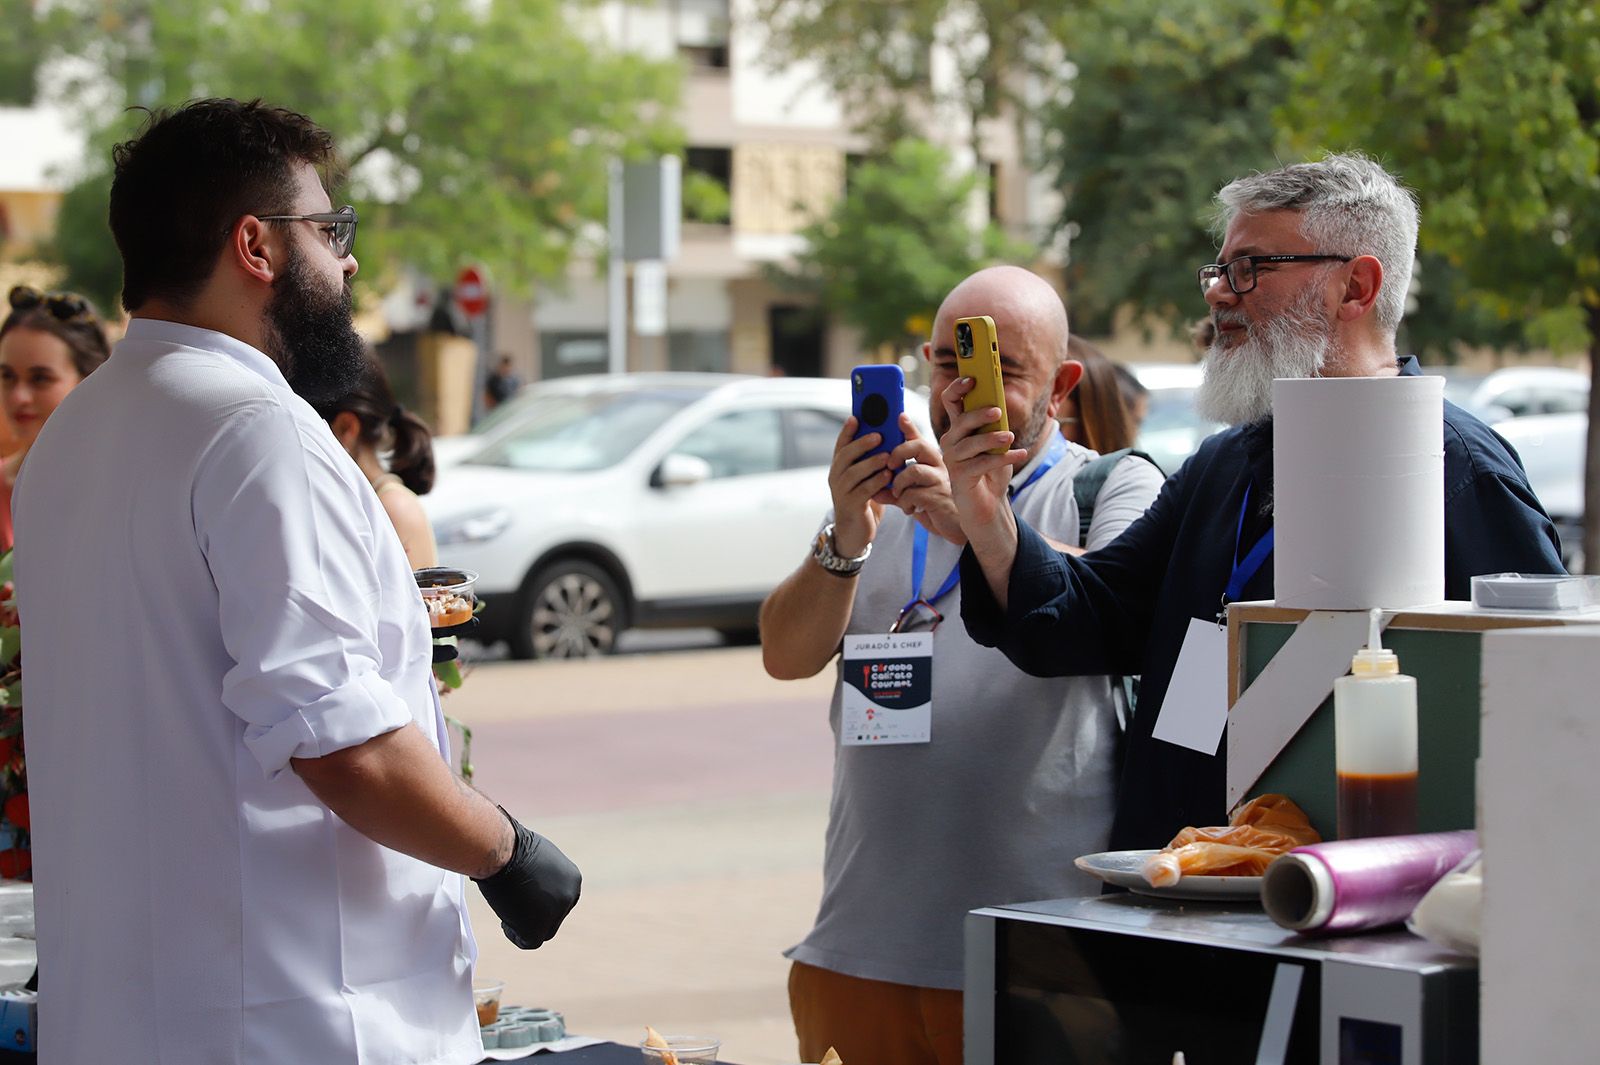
(475, 130)
(19, 52)
(876, 55)
(1491, 111)
(894, 244)
(1171, 100)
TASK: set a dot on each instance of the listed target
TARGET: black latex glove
(534, 891)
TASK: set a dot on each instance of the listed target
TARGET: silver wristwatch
(822, 550)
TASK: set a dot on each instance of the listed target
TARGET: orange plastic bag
(1258, 832)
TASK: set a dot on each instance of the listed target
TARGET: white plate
(1122, 869)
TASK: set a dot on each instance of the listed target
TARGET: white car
(639, 500)
(1172, 429)
(1528, 390)
(1552, 447)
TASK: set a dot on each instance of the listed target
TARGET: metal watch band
(822, 550)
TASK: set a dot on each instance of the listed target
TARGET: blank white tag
(1195, 710)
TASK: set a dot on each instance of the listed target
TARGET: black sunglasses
(340, 226)
(64, 306)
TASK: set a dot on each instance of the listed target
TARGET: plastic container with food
(486, 999)
(448, 595)
(685, 1049)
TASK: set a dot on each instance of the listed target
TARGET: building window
(708, 185)
(702, 31)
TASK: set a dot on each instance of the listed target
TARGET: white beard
(1237, 387)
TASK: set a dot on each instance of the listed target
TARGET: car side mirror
(680, 471)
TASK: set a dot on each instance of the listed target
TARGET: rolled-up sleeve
(290, 550)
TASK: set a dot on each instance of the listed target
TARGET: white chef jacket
(210, 588)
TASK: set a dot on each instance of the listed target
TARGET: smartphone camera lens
(964, 340)
(874, 410)
(857, 379)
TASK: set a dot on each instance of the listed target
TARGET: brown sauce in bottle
(1377, 804)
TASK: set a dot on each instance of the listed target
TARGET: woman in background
(1094, 415)
(49, 343)
(369, 422)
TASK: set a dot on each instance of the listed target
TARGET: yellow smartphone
(978, 357)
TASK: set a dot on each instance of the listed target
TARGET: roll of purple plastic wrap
(1359, 883)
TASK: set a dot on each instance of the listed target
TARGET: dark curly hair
(182, 182)
(68, 317)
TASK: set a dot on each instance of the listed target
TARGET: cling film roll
(1356, 884)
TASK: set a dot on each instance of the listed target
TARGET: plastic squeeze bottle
(1375, 743)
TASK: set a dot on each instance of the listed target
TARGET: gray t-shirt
(1016, 783)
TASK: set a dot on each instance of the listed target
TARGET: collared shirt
(211, 589)
(1126, 607)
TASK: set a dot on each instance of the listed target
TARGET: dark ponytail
(412, 458)
(388, 426)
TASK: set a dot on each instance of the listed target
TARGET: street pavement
(692, 790)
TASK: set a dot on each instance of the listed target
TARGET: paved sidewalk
(692, 789)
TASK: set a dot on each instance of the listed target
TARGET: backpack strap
(1091, 477)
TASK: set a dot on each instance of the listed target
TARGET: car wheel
(569, 610)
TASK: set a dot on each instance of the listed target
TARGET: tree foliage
(1171, 99)
(1491, 111)
(476, 130)
(878, 56)
(19, 53)
(895, 244)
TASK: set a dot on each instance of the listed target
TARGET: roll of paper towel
(1358, 485)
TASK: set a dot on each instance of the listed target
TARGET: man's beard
(1024, 433)
(1237, 387)
(310, 336)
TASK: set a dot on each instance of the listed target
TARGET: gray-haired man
(1311, 282)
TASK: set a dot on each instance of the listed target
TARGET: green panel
(1447, 666)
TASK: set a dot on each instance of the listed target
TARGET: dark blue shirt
(1126, 607)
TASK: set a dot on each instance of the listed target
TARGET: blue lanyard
(1247, 567)
(919, 543)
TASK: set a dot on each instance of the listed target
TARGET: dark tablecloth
(601, 1054)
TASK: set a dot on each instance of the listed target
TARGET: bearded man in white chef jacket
(248, 843)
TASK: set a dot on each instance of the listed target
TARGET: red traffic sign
(471, 294)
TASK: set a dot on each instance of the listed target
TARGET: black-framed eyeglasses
(64, 306)
(339, 227)
(1241, 272)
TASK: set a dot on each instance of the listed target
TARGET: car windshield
(512, 409)
(574, 433)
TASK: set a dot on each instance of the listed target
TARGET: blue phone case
(878, 397)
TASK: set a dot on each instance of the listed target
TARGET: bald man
(969, 783)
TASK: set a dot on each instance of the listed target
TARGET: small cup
(689, 1049)
(486, 1000)
(447, 593)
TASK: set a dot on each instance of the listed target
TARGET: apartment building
(778, 145)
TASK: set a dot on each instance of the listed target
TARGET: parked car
(1552, 447)
(1515, 391)
(1522, 391)
(1172, 428)
(450, 450)
(640, 500)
